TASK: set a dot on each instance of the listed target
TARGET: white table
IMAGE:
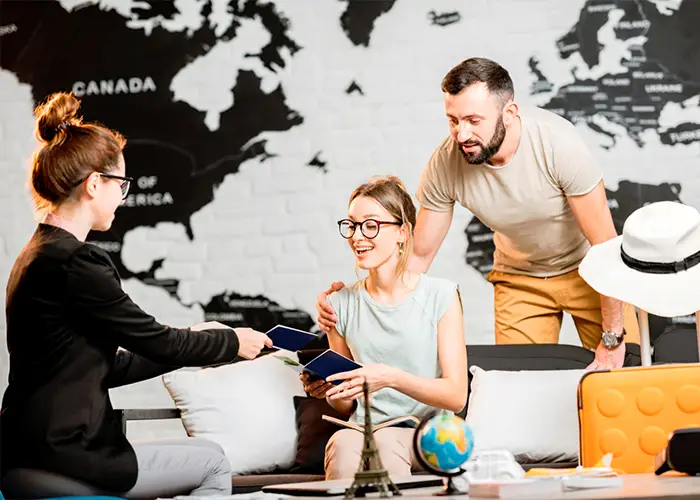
(670, 486)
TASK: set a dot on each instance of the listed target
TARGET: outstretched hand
(326, 314)
(250, 342)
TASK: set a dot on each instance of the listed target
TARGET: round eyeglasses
(369, 227)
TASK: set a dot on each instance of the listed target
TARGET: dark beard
(490, 149)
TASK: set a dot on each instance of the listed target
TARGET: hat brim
(666, 295)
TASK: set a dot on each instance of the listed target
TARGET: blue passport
(324, 365)
(289, 339)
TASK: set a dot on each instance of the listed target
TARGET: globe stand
(371, 473)
(450, 488)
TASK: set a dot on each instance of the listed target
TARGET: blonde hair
(390, 192)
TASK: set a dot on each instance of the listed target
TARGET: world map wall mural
(250, 122)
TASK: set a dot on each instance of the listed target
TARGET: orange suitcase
(631, 411)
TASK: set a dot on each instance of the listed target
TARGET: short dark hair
(479, 69)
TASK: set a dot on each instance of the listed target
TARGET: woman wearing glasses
(67, 317)
(404, 328)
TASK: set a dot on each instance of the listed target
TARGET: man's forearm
(613, 314)
(418, 264)
(595, 220)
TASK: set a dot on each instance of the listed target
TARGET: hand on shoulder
(326, 314)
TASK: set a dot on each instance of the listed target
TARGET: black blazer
(66, 317)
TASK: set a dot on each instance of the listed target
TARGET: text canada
(133, 85)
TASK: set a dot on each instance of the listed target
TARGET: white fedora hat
(655, 264)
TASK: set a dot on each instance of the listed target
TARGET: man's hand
(326, 315)
(316, 389)
(251, 342)
(606, 359)
(377, 377)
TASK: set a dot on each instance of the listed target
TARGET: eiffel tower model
(371, 473)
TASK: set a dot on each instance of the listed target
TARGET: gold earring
(400, 248)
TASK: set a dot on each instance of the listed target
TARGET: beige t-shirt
(523, 202)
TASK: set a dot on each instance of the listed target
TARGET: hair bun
(55, 115)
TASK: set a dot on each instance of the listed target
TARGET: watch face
(610, 339)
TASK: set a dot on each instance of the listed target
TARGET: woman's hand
(316, 389)
(377, 377)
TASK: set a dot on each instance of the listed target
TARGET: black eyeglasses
(124, 184)
(368, 227)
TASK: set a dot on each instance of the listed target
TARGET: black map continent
(359, 17)
(155, 9)
(259, 313)
(665, 68)
(176, 160)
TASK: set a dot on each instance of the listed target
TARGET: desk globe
(442, 444)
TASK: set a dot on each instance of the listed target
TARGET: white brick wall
(271, 228)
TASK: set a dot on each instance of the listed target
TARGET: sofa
(521, 397)
(294, 447)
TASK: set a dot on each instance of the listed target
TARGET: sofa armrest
(126, 414)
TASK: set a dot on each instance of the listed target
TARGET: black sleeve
(96, 298)
(129, 368)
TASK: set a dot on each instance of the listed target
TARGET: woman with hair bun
(68, 317)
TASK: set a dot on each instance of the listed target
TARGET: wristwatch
(611, 340)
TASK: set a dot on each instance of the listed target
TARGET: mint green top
(402, 335)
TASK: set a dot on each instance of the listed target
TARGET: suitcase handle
(645, 340)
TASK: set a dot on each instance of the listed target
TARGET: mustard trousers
(529, 310)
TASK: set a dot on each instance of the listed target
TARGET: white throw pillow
(531, 413)
(246, 407)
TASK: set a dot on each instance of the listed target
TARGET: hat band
(660, 267)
